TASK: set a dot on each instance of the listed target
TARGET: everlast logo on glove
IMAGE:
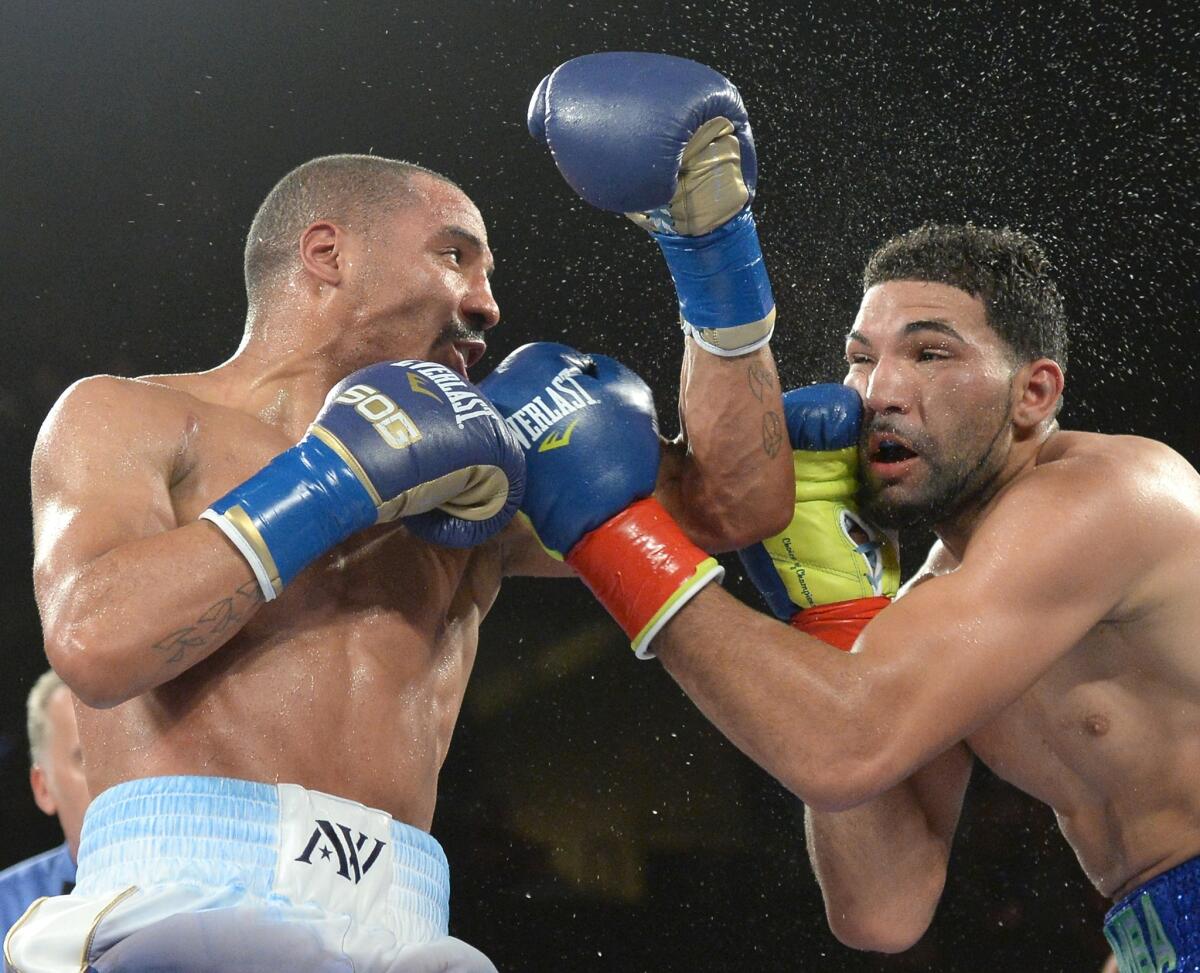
(467, 403)
(566, 396)
(347, 849)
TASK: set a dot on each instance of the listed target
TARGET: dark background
(594, 821)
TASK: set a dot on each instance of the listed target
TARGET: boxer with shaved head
(264, 584)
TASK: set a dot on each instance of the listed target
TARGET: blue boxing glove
(407, 439)
(590, 435)
(829, 571)
(666, 141)
(571, 412)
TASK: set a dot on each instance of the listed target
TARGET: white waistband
(272, 841)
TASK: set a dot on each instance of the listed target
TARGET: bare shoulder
(105, 399)
(106, 420)
(1111, 509)
(1117, 470)
(1071, 444)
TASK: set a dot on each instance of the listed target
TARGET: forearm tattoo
(213, 623)
(762, 382)
(765, 388)
(772, 433)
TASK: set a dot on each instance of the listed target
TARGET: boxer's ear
(321, 252)
(41, 790)
(1037, 389)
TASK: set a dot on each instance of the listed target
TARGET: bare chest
(1086, 728)
(380, 588)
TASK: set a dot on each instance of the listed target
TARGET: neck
(283, 369)
(956, 530)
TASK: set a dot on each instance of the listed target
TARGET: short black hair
(352, 190)
(1004, 268)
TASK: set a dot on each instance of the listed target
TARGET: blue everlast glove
(666, 141)
(829, 572)
(405, 439)
(589, 431)
(590, 435)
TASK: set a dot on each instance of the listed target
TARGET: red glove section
(839, 624)
(642, 568)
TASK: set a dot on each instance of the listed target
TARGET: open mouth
(889, 453)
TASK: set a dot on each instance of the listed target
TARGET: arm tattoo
(761, 381)
(213, 622)
(178, 643)
(772, 434)
(765, 387)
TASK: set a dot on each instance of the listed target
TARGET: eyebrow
(929, 324)
(467, 236)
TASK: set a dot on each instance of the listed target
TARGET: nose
(479, 306)
(887, 388)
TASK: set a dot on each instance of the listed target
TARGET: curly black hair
(1004, 268)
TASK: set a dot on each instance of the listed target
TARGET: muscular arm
(128, 598)
(728, 479)
(840, 728)
(882, 865)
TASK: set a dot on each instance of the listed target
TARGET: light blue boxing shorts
(197, 874)
(1156, 927)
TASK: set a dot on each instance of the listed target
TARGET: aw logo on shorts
(347, 849)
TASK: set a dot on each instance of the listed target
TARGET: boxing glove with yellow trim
(830, 571)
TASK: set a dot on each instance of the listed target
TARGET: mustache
(883, 426)
(458, 331)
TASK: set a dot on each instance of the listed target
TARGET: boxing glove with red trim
(590, 435)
